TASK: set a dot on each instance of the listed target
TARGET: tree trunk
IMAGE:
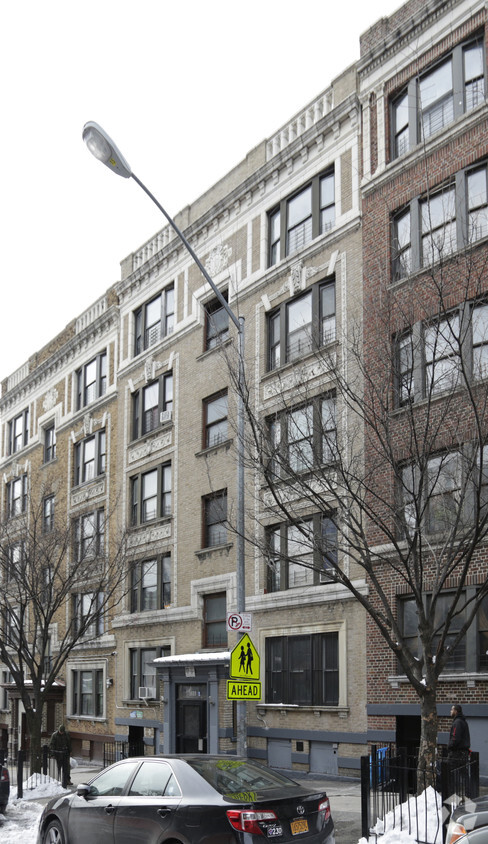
(34, 727)
(426, 766)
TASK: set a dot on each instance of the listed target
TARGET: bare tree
(59, 587)
(372, 452)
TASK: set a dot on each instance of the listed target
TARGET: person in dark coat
(458, 749)
(60, 747)
(459, 739)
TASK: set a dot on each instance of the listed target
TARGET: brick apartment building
(295, 236)
(422, 84)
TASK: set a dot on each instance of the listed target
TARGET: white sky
(185, 89)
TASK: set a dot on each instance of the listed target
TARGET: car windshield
(236, 776)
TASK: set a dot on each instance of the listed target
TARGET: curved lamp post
(102, 147)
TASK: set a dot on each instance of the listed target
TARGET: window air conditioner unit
(165, 415)
(147, 692)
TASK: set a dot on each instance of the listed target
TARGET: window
(46, 584)
(17, 496)
(304, 324)
(90, 457)
(305, 437)
(89, 536)
(87, 610)
(477, 201)
(215, 519)
(15, 562)
(49, 443)
(483, 635)
(400, 126)
(143, 671)
(481, 478)
(405, 384)
(402, 246)
(442, 355)
(47, 660)
(151, 495)
(215, 620)
(154, 320)
(302, 217)
(432, 228)
(480, 341)
(216, 323)
(87, 692)
(152, 406)
(442, 501)
(408, 618)
(6, 680)
(215, 420)
(409, 622)
(48, 514)
(91, 381)
(303, 554)
(11, 626)
(443, 491)
(432, 100)
(303, 670)
(434, 357)
(438, 214)
(18, 432)
(151, 584)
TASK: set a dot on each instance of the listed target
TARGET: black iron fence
(395, 794)
(26, 774)
(115, 750)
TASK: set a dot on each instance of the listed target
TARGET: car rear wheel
(53, 834)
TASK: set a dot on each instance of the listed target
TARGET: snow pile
(20, 822)
(39, 785)
(421, 815)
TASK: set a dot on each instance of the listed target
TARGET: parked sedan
(468, 816)
(191, 800)
(4, 787)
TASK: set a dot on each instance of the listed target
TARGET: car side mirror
(83, 790)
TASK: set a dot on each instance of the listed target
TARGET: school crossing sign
(244, 672)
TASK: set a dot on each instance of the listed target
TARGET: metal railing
(393, 795)
(48, 767)
(113, 751)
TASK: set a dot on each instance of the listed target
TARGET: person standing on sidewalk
(458, 749)
(60, 747)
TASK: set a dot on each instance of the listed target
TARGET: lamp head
(102, 147)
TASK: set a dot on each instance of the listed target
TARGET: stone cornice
(403, 35)
(55, 362)
(264, 179)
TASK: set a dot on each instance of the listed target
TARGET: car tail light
(248, 821)
(454, 831)
(324, 806)
(4, 774)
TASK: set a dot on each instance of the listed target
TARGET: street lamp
(102, 147)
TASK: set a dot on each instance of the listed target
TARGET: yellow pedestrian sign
(244, 660)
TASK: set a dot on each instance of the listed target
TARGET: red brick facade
(392, 50)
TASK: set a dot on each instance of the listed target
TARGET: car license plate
(274, 831)
(299, 826)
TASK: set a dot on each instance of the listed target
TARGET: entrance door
(191, 718)
(408, 732)
(136, 740)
